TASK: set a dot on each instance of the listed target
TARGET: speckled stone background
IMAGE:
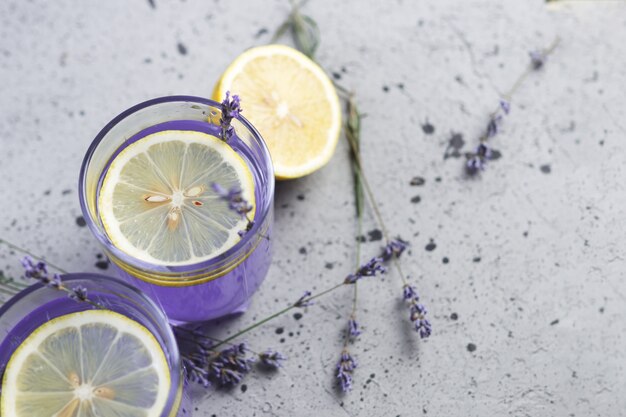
(522, 269)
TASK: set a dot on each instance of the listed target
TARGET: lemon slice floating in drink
(157, 201)
(93, 363)
(291, 101)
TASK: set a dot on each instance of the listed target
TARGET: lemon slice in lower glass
(157, 202)
(95, 363)
(291, 101)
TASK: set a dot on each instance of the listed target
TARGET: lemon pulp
(95, 363)
(157, 201)
(291, 101)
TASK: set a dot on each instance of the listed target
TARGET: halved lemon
(157, 201)
(94, 363)
(291, 101)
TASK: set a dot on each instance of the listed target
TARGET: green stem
(368, 191)
(277, 314)
(520, 80)
(194, 336)
(374, 204)
(32, 255)
(7, 291)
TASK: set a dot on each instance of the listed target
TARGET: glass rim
(173, 269)
(165, 328)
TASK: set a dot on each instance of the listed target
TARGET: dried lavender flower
(353, 328)
(505, 106)
(537, 59)
(304, 300)
(39, 271)
(409, 292)
(272, 359)
(369, 269)
(345, 367)
(234, 197)
(394, 248)
(418, 317)
(493, 126)
(195, 373)
(230, 109)
(477, 161)
(78, 293)
(230, 365)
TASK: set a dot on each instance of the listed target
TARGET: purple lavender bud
(230, 109)
(537, 59)
(353, 328)
(423, 328)
(493, 126)
(39, 271)
(477, 161)
(304, 301)
(78, 293)
(418, 317)
(220, 191)
(55, 282)
(345, 367)
(483, 150)
(370, 269)
(352, 278)
(505, 106)
(394, 248)
(474, 164)
(272, 359)
(409, 293)
(234, 198)
(230, 365)
(195, 373)
(34, 270)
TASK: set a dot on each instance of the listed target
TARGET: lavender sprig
(394, 249)
(206, 365)
(236, 202)
(417, 312)
(39, 271)
(353, 133)
(79, 293)
(345, 368)
(369, 269)
(230, 365)
(231, 108)
(271, 359)
(476, 161)
(304, 301)
(304, 30)
(195, 373)
(234, 198)
(354, 329)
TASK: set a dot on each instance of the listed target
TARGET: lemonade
(62, 358)
(148, 192)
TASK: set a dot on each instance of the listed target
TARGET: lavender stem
(32, 255)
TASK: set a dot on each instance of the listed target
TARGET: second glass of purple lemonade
(112, 355)
(162, 192)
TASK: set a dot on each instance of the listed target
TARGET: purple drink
(220, 283)
(41, 312)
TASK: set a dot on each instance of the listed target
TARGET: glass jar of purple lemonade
(162, 224)
(113, 354)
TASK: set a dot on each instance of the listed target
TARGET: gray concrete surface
(534, 278)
